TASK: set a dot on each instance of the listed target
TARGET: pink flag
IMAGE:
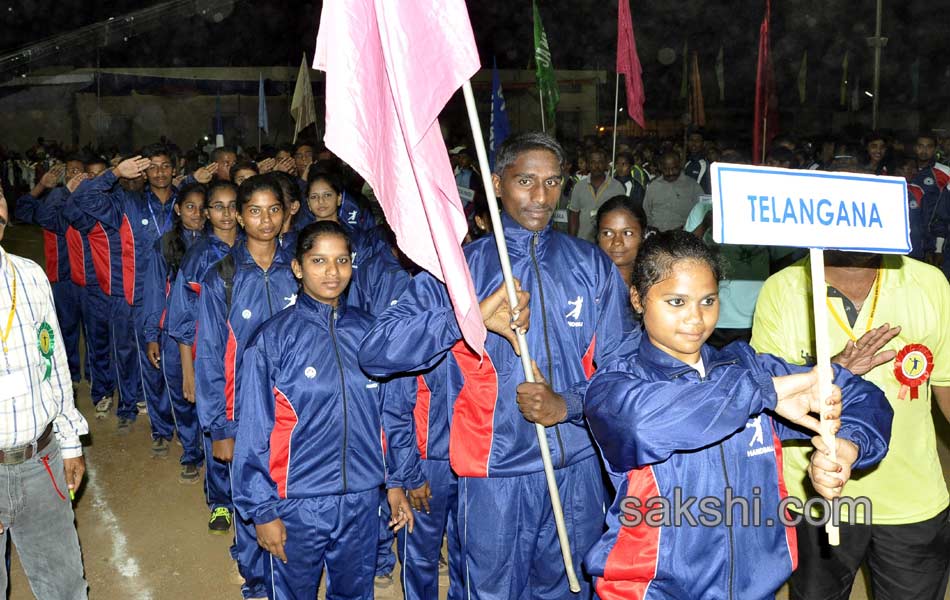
(628, 63)
(391, 67)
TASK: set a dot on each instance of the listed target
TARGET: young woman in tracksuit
(168, 411)
(309, 458)
(221, 212)
(324, 200)
(245, 288)
(684, 419)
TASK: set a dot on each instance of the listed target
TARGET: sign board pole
(819, 292)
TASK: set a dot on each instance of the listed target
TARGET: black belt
(20, 454)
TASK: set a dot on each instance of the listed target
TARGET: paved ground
(144, 535)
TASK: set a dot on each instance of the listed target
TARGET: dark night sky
(581, 33)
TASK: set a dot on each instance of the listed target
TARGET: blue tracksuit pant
(151, 383)
(419, 551)
(183, 412)
(125, 357)
(95, 306)
(509, 542)
(69, 315)
(341, 532)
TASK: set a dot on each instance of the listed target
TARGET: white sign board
(809, 209)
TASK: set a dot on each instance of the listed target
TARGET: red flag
(628, 63)
(391, 67)
(697, 108)
(765, 127)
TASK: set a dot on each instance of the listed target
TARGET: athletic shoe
(220, 521)
(142, 407)
(160, 448)
(103, 407)
(189, 474)
(383, 581)
(124, 426)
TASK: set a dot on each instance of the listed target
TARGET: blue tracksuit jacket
(223, 335)
(310, 424)
(183, 299)
(60, 241)
(158, 284)
(579, 318)
(661, 428)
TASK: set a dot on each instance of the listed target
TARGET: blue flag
(500, 127)
(262, 107)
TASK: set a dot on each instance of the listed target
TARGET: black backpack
(226, 268)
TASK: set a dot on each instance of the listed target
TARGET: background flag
(844, 80)
(218, 123)
(302, 107)
(547, 82)
(684, 85)
(500, 126)
(697, 107)
(628, 64)
(765, 127)
(721, 74)
(803, 78)
(391, 67)
(262, 107)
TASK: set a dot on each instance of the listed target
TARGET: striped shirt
(35, 390)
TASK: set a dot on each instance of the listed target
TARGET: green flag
(547, 83)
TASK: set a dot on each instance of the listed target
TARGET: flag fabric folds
(721, 74)
(765, 127)
(803, 78)
(500, 126)
(628, 63)
(302, 108)
(547, 82)
(262, 107)
(390, 69)
(697, 107)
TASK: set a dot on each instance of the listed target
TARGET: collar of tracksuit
(245, 258)
(519, 239)
(318, 311)
(670, 367)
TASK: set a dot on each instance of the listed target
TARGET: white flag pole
(541, 100)
(819, 292)
(522, 340)
(613, 153)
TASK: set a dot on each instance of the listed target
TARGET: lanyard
(9, 328)
(841, 322)
(161, 230)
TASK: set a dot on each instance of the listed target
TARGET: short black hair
(927, 134)
(243, 165)
(159, 149)
(193, 188)
(625, 203)
(334, 180)
(96, 160)
(660, 252)
(300, 144)
(220, 184)
(311, 233)
(257, 183)
(525, 142)
(289, 190)
(217, 152)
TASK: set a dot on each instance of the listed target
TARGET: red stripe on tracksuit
(195, 287)
(77, 259)
(101, 257)
(285, 420)
(473, 420)
(791, 536)
(588, 359)
(230, 359)
(631, 564)
(421, 415)
(52, 255)
(128, 260)
(168, 289)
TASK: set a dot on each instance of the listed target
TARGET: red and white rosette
(912, 367)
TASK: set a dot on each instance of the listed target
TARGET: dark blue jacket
(310, 422)
(138, 217)
(159, 280)
(59, 239)
(256, 295)
(579, 318)
(930, 183)
(663, 430)
(183, 299)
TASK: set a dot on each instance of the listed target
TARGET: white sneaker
(103, 407)
(142, 407)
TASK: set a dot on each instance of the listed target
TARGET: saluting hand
(73, 183)
(539, 403)
(131, 168)
(267, 165)
(286, 165)
(50, 179)
(205, 173)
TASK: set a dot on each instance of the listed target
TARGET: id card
(14, 385)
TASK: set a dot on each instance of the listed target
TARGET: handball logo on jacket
(758, 439)
(575, 313)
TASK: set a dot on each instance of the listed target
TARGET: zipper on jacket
(725, 474)
(544, 329)
(270, 307)
(339, 363)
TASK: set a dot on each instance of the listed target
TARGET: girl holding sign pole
(689, 433)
